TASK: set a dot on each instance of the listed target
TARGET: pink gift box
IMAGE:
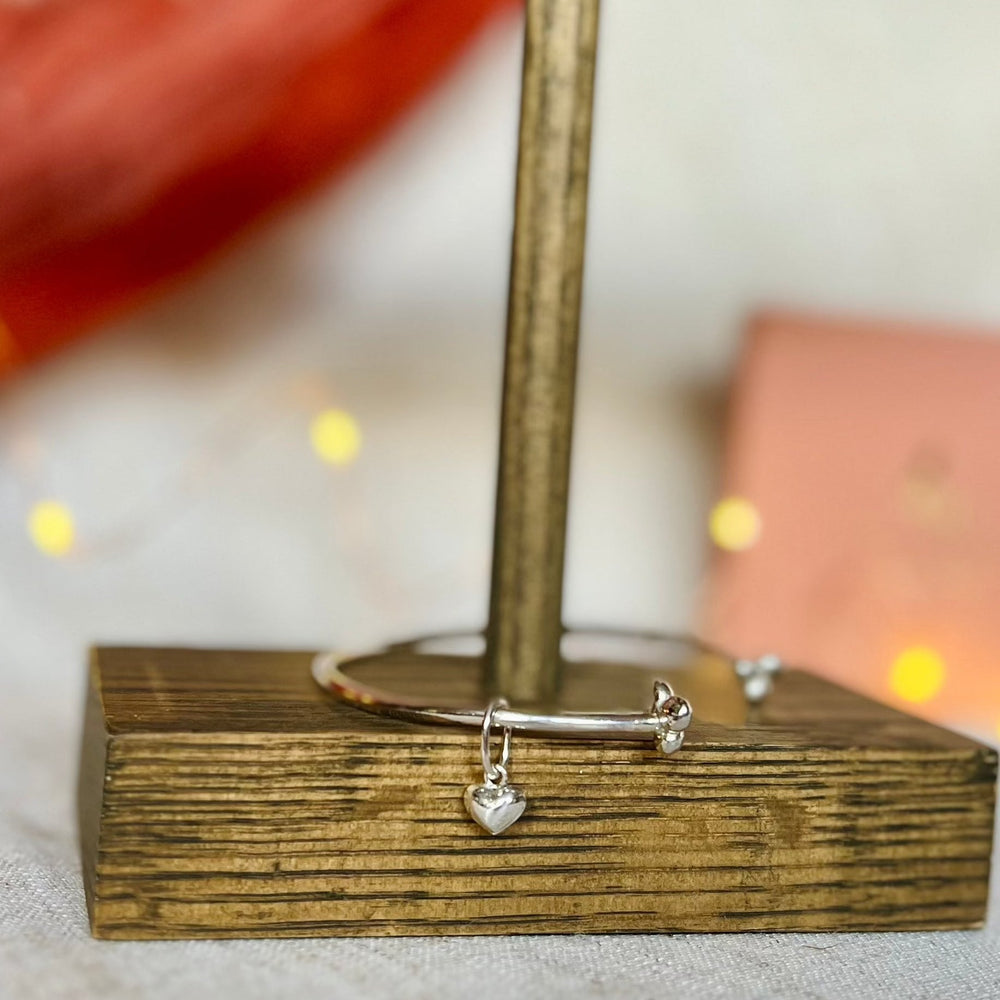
(871, 452)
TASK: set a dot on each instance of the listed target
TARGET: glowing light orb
(917, 674)
(734, 524)
(336, 437)
(50, 525)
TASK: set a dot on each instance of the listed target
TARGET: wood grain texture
(223, 794)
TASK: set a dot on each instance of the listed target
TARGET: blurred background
(253, 267)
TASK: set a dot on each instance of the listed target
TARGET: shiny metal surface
(668, 713)
(543, 320)
(496, 804)
(495, 771)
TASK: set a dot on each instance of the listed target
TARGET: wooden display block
(222, 794)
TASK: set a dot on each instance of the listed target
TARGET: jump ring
(497, 771)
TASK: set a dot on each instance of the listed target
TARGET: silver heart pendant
(495, 807)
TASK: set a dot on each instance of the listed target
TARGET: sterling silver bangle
(496, 804)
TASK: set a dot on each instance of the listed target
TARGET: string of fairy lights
(334, 434)
(301, 406)
(917, 675)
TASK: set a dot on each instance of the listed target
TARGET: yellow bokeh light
(917, 674)
(336, 437)
(734, 524)
(50, 525)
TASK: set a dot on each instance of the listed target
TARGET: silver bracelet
(496, 803)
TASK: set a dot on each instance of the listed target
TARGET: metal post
(542, 332)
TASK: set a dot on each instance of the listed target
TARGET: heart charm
(495, 807)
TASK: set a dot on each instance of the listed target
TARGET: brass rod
(543, 320)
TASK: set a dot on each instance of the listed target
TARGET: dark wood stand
(223, 794)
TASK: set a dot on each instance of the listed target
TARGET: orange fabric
(138, 136)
